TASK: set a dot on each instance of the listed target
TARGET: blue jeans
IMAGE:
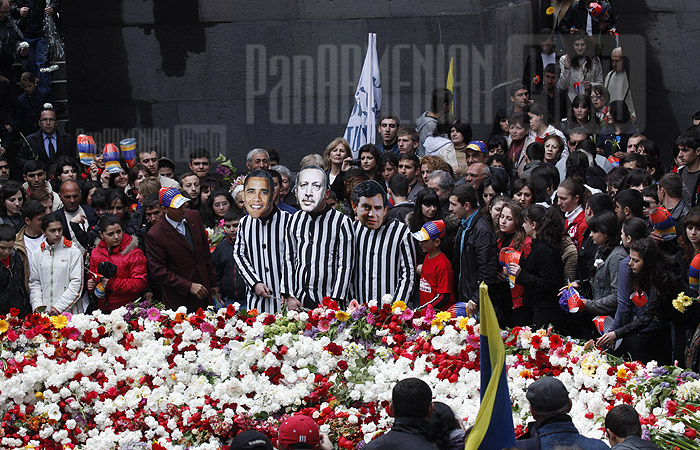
(38, 51)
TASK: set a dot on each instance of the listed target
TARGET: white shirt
(548, 59)
(31, 244)
(179, 226)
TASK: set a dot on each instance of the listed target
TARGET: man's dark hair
(233, 213)
(549, 173)
(389, 116)
(368, 189)
(410, 132)
(440, 97)
(99, 199)
(579, 130)
(149, 202)
(629, 198)
(399, 185)
(7, 233)
(31, 209)
(640, 161)
(535, 151)
(187, 174)
(259, 173)
(49, 218)
(497, 140)
(108, 220)
(552, 68)
(696, 116)
(587, 146)
(200, 153)
(690, 139)
(413, 157)
(600, 202)
(32, 166)
(273, 155)
(651, 191)
(411, 397)
(515, 87)
(276, 175)
(623, 420)
(466, 193)
(673, 184)
(143, 150)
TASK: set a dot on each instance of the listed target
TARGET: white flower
(598, 263)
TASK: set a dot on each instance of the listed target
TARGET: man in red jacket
(178, 255)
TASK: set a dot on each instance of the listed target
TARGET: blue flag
(493, 428)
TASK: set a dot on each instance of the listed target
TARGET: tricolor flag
(570, 299)
(493, 428)
(450, 84)
(662, 222)
(362, 124)
(694, 274)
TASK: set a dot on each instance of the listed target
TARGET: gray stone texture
(282, 73)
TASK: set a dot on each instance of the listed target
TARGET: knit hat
(171, 197)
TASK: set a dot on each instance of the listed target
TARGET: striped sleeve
(407, 265)
(345, 251)
(240, 252)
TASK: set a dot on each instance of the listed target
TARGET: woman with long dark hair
(571, 196)
(580, 68)
(12, 197)
(613, 137)
(654, 285)
(369, 162)
(581, 114)
(540, 273)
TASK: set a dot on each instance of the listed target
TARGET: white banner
(362, 124)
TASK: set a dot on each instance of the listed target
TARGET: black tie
(52, 149)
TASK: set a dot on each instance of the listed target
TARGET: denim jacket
(560, 434)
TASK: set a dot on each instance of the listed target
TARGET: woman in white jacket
(56, 273)
(579, 70)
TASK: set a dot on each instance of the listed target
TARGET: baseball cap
(251, 440)
(171, 197)
(299, 429)
(548, 395)
(478, 146)
(431, 230)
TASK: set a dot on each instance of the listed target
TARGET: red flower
(334, 349)
(342, 365)
(14, 312)
(536, 341)
(690, 433)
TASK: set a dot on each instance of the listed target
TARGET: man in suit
(47, 144)
(178, 255)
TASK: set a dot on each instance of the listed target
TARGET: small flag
(493, 428)
(128, 148)
(86, 149)
(639, 299)
(508, 256)
(458, 310)
(111, 156)
(450, 84)
(362, 123)
(570, 299)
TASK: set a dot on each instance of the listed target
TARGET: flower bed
(145, 378)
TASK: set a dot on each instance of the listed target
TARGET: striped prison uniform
(319, 256)
(385, 262)
(259, 254)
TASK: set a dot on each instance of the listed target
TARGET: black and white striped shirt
(385, 262)
(319, 256)
(259, 253)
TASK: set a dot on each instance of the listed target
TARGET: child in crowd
(13, 293)
(228, 277)
(436, 274)
(56, 272)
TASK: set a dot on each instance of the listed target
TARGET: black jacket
(85, 239)
(577, 16)
(408, 433)
(65, 145)
(476, 256)
(542, 274)
(633, 442)
(12, 290)
(32, 26)
(229, 279)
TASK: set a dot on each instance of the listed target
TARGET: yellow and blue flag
(493, 428)
(450, 84)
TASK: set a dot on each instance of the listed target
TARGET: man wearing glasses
(318, 246)
(47, 144)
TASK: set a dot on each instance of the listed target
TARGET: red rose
(342, 365)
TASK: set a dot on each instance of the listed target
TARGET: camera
(355, 163)
(107, 269)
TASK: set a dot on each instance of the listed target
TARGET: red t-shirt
(436, 278)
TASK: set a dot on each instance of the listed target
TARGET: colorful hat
(171, 197)
(478, 146)
(128, 147)
(662, 222)
(431, 230)
(111, 157)
(86, 149)
(299, 429)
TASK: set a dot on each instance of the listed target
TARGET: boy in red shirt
(436, 274)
